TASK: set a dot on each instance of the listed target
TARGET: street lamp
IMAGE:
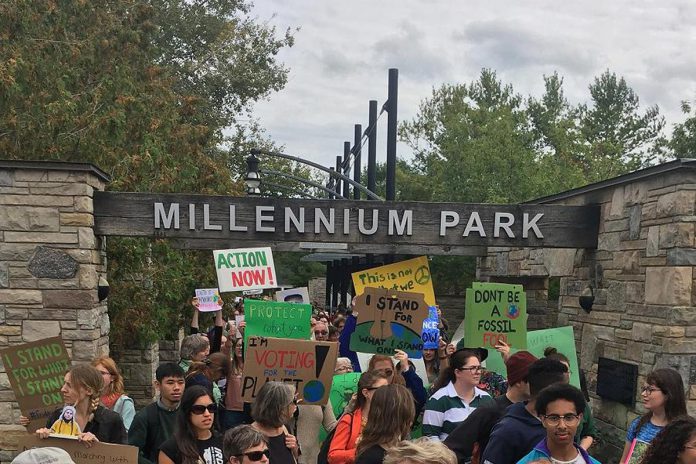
(253, 177)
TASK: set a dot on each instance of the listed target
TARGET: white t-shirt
(576, 460)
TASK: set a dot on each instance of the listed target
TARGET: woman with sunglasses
(274, 406)
(404, 373)
(244, 444)
(664, 400)
(351, 424)
(195, 440)
(456, 395)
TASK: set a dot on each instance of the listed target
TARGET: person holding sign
(456, 395)
(274, 406)
(404, 373)
(81, 388)
(195, 440)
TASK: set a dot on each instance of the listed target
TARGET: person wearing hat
(47, 455)
(517, 367)
(456, 395)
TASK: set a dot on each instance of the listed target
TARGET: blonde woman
(82, 387)
(113, 396)
(389, 421)
(420, 451)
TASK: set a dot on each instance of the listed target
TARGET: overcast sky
(343, 51)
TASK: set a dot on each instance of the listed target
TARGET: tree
(619, 139)
(683, 141)
(142, 89)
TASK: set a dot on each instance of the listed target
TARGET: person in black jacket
(154, 424)
(81, 388)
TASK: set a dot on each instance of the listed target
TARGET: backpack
(323, 457)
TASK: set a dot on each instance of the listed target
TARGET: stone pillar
(50, 265)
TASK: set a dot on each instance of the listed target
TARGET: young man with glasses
(520, 429)
(560, 408)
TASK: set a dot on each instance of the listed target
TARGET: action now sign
(245, 269)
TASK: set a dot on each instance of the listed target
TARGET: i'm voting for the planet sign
(495, 313)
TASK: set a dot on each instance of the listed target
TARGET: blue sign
(431, 334)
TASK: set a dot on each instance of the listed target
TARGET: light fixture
(586, 301)
(253, 177)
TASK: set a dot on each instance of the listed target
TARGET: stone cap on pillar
(56, 166)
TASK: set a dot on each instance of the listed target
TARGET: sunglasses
(256, 455)
(387, 372)
(199, 409)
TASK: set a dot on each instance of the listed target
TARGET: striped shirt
(445, 410)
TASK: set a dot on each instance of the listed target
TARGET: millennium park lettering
(343, 221)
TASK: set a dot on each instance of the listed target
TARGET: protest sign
(293, 295)
(102, 453)
(208, 299)
(308, 365)
(496, 312)
(244, 269)
(389, 320)
(412, 275)
(36, 371)
(343, 387)
(561, 338)
(431, 333)
(276, 319)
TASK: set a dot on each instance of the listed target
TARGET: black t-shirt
(372, 455)
(279, 453)
(209, 450)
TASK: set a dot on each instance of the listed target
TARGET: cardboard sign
(276, 319)
(244, 269)
(431, 332)
(412, 275)
(102, 453)
(561, 338)
(389, 320)
(308, 365)
(36, 371)
(496, 312)
(208, 299)
(293, 295)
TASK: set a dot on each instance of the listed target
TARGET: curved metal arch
(331, 172)
(304, 181)
(291, 190)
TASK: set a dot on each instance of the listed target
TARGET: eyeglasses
(256, 455)
(321, 332)
(343, 369)
(372, 388)
(555, 419)
(199, 409)
(388, 372)
(648, 390)
(472, 369)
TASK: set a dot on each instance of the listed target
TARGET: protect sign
(412, 275)
(306, 364)
(36, 371)
(389, 320)
(245, 269)
(496, 312)
(278, 320)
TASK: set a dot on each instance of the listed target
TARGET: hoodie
(541, 451)
(514, 436)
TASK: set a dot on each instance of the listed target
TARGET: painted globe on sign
(313, 391)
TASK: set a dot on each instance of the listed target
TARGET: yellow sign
(412, 275)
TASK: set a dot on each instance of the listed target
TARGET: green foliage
(683, 141)
(142, 89)
(291, 271)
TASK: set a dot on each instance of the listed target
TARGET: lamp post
(253, 177)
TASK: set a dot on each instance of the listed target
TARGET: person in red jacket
(343, 444)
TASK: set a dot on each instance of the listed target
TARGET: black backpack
(323, 457)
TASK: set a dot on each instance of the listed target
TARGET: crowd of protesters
(464, 413)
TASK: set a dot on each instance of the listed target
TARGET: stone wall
(642, 272)
(50, 265)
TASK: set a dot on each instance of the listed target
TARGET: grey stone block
(52, 264)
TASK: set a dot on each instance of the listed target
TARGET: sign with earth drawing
(496, 312)
(389, 320)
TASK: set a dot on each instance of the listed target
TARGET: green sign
(496, 312)
(561, 338)
(277, 319)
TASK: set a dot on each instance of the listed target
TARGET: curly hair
(669, 443)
